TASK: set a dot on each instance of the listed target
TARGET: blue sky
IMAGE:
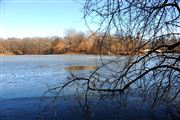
(39, 18)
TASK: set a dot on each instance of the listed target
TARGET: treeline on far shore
(80, 43)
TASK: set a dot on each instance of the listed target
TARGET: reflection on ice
(77, 68)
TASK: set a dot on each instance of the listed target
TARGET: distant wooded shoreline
(79, 43)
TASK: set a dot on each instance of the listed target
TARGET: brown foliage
(77, 42)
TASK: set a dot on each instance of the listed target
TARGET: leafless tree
(73, 39)
(153, 76)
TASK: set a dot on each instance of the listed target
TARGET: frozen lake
(30, 76)
(24, 79)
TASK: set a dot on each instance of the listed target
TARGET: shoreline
(85, 54)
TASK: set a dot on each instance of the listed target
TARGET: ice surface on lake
(30, 76)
